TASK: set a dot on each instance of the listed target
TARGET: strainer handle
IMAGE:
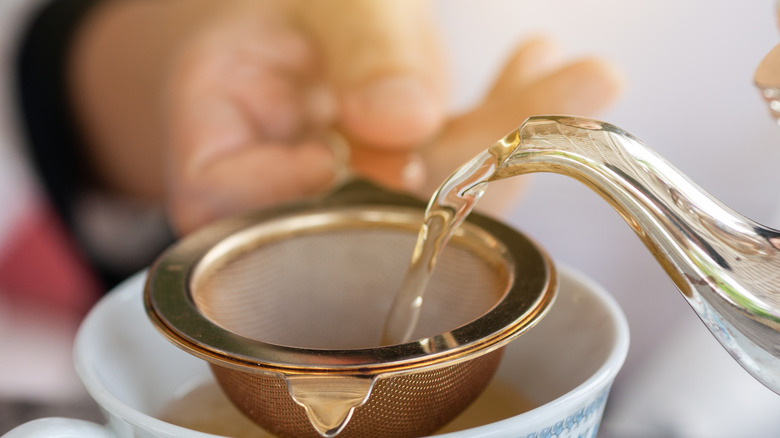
(60, 427)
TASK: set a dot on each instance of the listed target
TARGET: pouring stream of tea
(447, 209)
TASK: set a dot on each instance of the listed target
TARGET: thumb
(384, 60)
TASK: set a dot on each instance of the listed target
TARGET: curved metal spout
(726, 266)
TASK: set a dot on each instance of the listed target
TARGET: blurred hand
(253, 95)
(251, 89)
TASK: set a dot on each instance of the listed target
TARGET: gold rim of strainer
(170, 306)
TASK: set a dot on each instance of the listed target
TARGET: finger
(767, 74)
(237, 116)
(536, 57)
(767, 79)
(277, 82)
(401, 170)
(387, 67)
(255, 176)
(582, 88)
(282, 108)
(219, 164)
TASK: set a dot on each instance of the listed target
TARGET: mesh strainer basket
(288, 307)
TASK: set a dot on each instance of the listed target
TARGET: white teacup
(553, 380)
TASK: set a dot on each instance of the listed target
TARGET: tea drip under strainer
(288, 305)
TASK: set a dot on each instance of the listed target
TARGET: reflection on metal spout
(767, 79)
(727, 266)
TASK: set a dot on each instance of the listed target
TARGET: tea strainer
(288, 305)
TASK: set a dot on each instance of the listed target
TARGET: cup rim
(598, 382)
(128, 290)
(131, 289)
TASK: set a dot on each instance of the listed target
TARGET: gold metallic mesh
(331, 289)
(409, 405)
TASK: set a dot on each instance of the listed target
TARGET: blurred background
(688, 68)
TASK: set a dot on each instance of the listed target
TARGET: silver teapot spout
(726, 265)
